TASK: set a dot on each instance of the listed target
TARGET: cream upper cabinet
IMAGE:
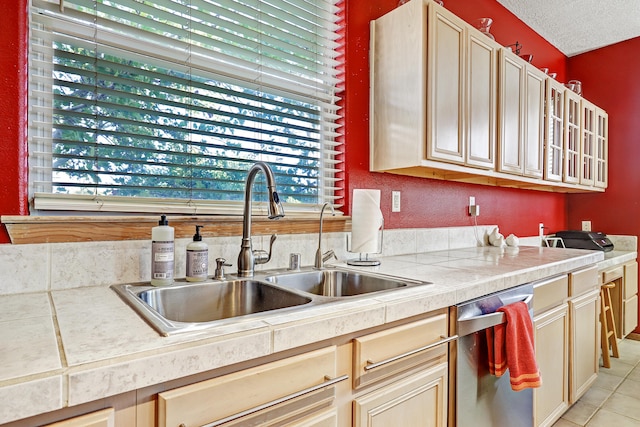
(448, 102)
(433, 91)
(571, 138)
(601, 149)
(511, 115)
(587, 142)
(521, 101)
(482, 92)
(554, 130)
(534, 122)
(445, 85)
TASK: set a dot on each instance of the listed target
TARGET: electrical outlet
(474, 210)
(395, 201)
(586, 225)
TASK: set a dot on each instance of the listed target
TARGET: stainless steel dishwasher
(482, 399)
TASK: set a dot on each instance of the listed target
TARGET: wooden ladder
(608, 336)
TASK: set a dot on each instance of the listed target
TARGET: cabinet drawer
(612, 274)
(582, 281)
(103, 418)
(550, 293)
(254, 391)
(382, 354)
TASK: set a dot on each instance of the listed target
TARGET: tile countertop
(68, 347)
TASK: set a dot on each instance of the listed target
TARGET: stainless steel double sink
(189, 306)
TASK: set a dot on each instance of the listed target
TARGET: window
(144, 106)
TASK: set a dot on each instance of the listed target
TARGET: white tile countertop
(67, 347)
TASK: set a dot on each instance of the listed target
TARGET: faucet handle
(221, 263)
(261, 256)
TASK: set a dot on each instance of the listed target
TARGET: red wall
(13, 103)
(432, 203)
(610, 79)
(425, 203)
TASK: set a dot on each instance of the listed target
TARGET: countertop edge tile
(86, 385)
(43, 395)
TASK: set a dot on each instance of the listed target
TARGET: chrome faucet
(322, 257)
(248, 258)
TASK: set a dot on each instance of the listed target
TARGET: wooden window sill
(59, 229)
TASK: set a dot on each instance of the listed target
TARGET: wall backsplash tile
(54, 266)
(24, 268)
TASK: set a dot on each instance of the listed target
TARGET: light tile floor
(614, 399)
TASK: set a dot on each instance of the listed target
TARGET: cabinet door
(511, 117)
(534, 122)
(398, 103)
(481, 102)
(584, 349)
(630, 297)
(588, 142)
(418, 400)
(601, 149)
(554, 127)
(551, 399)
(445, 85)
(571, 138)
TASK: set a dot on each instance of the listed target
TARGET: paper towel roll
(366, 220)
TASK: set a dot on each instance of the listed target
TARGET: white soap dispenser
(197, 258)
(162, 253)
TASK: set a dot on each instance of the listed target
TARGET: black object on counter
(594, 240)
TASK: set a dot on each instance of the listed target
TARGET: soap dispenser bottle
(197, 258)
(162, 253)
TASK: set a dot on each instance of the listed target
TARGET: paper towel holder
(366, 262)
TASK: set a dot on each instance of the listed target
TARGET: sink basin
(338, 283)
(188, 307)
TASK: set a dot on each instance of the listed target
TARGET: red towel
(511, 346)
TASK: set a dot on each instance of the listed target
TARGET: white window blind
(164, 105)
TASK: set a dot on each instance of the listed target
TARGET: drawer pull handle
(328, 383)
(372, 365)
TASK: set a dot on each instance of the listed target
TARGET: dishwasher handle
(478, 323)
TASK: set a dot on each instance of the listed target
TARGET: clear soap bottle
(162, 253)
(197, 258)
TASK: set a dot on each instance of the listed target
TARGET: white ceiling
(578, 26)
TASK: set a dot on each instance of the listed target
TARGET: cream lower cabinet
(401, 376)
(419, 400)
(399, 373)
(584, 329)
(624, 296)
(551, 324)
(630, 298)
(567, 330)
(296, 391)
(103, 418)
